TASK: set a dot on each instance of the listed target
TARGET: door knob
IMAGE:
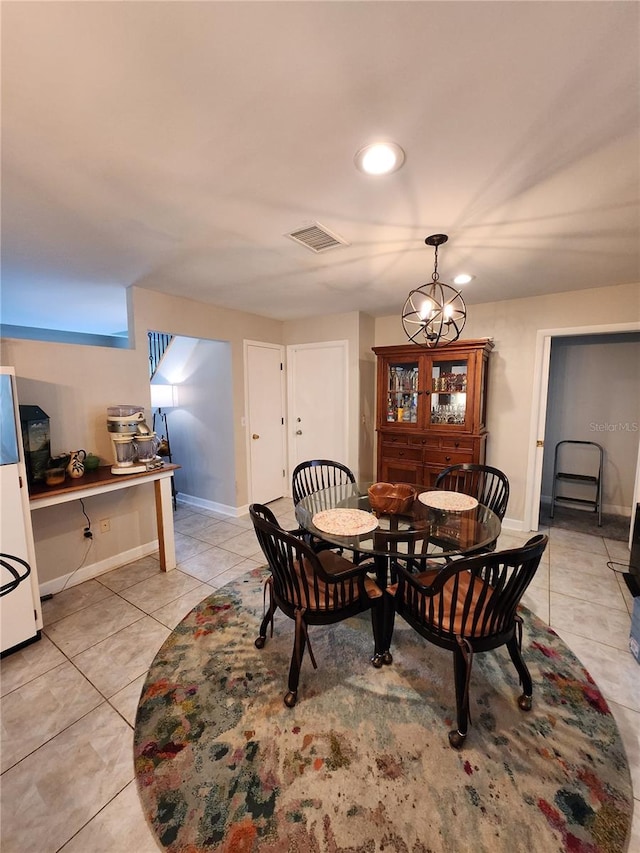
(255, 435)
(298, 432)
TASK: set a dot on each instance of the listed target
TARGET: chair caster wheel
(387, 658)
(456, 740)
(260, 641)
(290, 699)
(525, 702)
(376, 660)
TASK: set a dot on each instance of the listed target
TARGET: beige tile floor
(69, 701)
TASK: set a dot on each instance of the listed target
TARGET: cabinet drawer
(446, 458)
(452, 442)
(390, 439)
(399, 451)
(424, 441)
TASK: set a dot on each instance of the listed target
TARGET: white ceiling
(172, 145)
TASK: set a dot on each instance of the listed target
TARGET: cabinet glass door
(449, 391)
(402, 392)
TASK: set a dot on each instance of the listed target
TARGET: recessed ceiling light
(379, 158)
(463, 278)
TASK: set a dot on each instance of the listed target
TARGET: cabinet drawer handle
(401, 453)
(447, 459)
(457, 444)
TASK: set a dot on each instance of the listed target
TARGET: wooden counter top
(100, 478)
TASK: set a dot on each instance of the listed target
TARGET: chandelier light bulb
(427, 309)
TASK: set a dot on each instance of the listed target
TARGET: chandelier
(434, 314)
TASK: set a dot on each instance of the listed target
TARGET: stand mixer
(134, 444)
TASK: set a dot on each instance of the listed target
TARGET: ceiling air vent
(316, 237)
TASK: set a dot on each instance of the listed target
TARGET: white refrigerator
(20, 611)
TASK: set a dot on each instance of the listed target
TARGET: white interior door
(318, 402)
(264, 383)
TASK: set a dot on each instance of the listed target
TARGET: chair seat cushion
(333, 563)
(329, 596)
(468, 596)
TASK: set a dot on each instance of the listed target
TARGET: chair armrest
(339, 568)
(430, 582)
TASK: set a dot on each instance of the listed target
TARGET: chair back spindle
(316, 474)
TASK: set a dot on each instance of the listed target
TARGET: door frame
(291, 348)
(542, 364)
(245, 418)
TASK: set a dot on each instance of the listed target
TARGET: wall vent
(316, 237)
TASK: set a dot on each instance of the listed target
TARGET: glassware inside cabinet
(402, 393)
(449, 392)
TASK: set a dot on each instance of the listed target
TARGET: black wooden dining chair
(313, 476)
(488, 485)
(469, 606)
(312, 589)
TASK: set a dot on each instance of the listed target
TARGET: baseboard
(214, 506)
(512, 524)
(94, 569)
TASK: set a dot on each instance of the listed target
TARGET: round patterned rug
(362, 763)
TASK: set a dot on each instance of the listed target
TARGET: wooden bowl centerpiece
(391, 498)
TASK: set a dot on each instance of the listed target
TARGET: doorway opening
(200, 420)
(590, 390)
(593, 397)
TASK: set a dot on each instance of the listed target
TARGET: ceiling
(173, 145)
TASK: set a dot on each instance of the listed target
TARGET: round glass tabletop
(342, 516)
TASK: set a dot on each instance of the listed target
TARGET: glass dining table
(429, 528)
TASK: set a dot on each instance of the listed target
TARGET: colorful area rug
(362, 763)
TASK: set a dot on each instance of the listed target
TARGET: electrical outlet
(105, 525)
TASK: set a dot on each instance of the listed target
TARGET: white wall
(178, 316)
(594, 395)
(513, 324)
(75, 384)
(367, 421)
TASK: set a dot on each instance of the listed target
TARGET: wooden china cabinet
(431, 409)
